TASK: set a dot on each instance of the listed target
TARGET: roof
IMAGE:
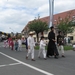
(55, 17)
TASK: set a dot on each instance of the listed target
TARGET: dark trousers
(16, 48)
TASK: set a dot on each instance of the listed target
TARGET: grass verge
(65, 48)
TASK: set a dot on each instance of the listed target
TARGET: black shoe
(48, 57)
(56, 57)
(33, 60)
(63, 56)
(26, 57)
(45, 59)
(38, 57)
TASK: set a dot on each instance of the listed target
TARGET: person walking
(5, 43)
(51, 48)
(42, 48)
(60, 42)
(26, 44)
(9, 41)
(16, 45)
(12, 44)
(31, 45)
(19, 45)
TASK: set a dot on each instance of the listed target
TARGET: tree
(38, 26)
(18, 35)
(66, 25)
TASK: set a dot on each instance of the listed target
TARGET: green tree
(38, 26)
(66, 25)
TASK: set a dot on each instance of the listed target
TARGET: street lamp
(51, 8)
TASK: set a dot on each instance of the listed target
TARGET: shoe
(48, 57)
(45, 59)
(56, 57)
(63, 56)
(26, 57)
(38, 57)
(33, 60)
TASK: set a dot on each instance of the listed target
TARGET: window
(55, 20)
(73, 16)
(45, 32)
(71, 37)
(60, 18)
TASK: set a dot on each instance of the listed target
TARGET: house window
(45, 32)
(46, 38)
(60, 18)
(35, 39)
(55, 20)
(71, 37)
(73, 16)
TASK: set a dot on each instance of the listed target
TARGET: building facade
(56, 19)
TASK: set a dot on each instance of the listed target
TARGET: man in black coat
(52, 49)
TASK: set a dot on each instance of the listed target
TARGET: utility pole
(51, 10)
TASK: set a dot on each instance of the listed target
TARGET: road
(14, 63)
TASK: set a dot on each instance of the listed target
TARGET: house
(56, 19)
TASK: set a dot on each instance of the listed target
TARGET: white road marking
(9, 64)
(28, 65)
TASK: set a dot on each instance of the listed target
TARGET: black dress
(51, 48)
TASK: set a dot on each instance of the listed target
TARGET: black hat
(51, 27)
(59, 32)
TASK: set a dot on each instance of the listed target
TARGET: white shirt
(42, 43)
(19, 42)
(30, 41)
(66, 39)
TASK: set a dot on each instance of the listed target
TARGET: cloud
(16, 14)
(61, 6)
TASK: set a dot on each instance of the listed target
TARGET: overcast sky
(15, 14)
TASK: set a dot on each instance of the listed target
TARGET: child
(5, 43)
(42, 48)
(9, 41)
(16, 45)
(19, 44)
(12, 44)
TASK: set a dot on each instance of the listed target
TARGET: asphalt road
(14, 63)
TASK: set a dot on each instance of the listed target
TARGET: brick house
(62, 15)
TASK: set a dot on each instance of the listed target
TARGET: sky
(15, 14)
